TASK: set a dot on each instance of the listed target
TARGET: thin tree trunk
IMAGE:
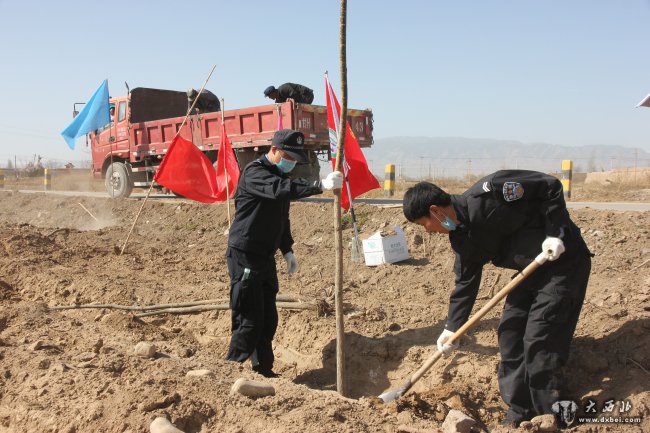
(341, 385)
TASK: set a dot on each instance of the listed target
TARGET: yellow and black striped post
(567, 174)
(47, 180)
(389, 180)
(2, 179)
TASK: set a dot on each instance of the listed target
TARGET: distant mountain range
(419, 157)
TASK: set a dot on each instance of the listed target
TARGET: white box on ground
(386, 249)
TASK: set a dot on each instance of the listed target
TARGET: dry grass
(579, 190)
(82, 180)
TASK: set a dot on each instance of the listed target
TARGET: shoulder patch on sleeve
(512, 191)
(480, 188)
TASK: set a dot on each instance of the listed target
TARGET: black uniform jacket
(297, 92)
(504, 218)
(261, 224)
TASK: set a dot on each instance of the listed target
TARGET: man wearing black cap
(260, 228)
(299, 93)
(508, 218)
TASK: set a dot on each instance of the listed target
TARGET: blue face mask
(448, 223)
(285, 165)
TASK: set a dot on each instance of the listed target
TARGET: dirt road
(601, 205)
(76, 371)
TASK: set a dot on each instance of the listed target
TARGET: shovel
(394, 394)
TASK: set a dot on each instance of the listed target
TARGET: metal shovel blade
(392, 394)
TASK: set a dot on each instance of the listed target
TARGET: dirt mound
(76, 371)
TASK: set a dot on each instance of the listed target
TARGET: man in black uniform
(207, 103)
(508, 218)
(260, 228)
(299, 93)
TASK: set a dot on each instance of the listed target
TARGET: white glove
(553, 247)
(334, 180)
(292, 262)
(446, 349)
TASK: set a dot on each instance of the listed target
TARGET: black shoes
(266, 372)
(508, 423)
(512, 420)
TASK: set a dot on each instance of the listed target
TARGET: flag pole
(225, 168)
(152, 180)
(338, 238)
(355, 239)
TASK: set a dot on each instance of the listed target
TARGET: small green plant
(346, 219)
(189, 226)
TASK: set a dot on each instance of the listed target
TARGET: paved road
(619, 206)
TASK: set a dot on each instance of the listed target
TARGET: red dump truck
(127, 153)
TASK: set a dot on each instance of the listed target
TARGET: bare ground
(75, 370)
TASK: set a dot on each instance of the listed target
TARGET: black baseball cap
(292, 142)
(269, 90)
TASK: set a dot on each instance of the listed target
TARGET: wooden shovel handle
(539, 260)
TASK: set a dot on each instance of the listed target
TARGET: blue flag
(94, 115)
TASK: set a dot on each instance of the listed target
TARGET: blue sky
(553, 71)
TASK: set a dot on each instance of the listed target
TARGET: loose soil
(76, 371)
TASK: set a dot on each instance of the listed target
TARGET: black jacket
(261, 224)
(504, 218)
(299, 93)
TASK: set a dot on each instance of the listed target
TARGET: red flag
(227, 168)
(358, 178)
(188, 172)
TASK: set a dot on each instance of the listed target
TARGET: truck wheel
(118, 181)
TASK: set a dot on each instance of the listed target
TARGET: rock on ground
(252, 388)
(544, 423)
(457, 422)
(145, 350)
(162, 425)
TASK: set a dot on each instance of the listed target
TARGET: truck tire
(118, 181)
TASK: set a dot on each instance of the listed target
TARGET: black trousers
(253, 290)
(536, 329)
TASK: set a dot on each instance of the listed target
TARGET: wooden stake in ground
(341, 385)
(152, 181)
(84, 208)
